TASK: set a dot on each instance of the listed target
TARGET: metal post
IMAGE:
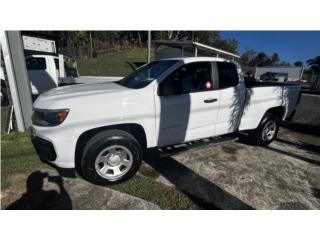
(301, 74)
(91, 47)
(196, 52)
(149, 46)
(14, 60)
(62, 72)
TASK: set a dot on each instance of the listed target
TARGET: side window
(228, 75)
(193, 77)
(36, 63)
(197, 78)
(56, 62)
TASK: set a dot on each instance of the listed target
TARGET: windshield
(146, 74)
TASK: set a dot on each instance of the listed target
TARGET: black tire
(99, 143)
(257, 136)
(4, 98)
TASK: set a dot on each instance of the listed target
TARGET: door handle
(210, 100)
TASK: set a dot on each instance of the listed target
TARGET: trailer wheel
(110, 157)
(266, 131)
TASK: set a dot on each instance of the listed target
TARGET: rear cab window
(228, 75)
(56, 62)
(36, 63)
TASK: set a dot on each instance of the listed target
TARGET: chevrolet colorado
(102, 129)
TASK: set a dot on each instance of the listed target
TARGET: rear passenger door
(232, 97)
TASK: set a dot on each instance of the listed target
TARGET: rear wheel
(111, 156)
(266, 131)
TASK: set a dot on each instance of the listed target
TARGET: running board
(195, 145)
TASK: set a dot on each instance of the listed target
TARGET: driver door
(187, 104)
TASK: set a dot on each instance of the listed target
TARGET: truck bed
(265, 95)
(270, 84)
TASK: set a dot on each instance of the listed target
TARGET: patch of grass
(4, 111)
(17, 156)
(111, 64)
(164, 196)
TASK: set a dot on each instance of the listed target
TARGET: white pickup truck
(103, 129)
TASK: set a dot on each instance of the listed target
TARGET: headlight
(49, 118)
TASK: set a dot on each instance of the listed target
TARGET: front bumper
(44, 149)
(47, 154)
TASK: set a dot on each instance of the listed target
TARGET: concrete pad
(284, 175)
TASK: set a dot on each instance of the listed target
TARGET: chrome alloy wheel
(269, 130)
(113, 162)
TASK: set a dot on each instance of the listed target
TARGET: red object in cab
(208, 85)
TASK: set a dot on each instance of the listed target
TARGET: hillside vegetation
(111, 64)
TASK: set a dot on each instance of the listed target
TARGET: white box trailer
(39, 44)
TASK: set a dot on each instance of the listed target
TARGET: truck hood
(63, 94)
(84, 89)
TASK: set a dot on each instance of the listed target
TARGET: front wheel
(266, 131)
(111, 157)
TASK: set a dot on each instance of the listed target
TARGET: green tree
(230, 45)
(211, 38)
(298, 64)
(315, 67)
(248, 57)
(275, 59)
(262, 60)
(314, 64)
(284, 64)
(77, 43)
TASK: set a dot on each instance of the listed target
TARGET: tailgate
(291, 96)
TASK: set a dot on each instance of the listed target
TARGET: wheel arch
(279, 111)
(134, 129)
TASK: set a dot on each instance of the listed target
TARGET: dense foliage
(90, 43)
(94, 43)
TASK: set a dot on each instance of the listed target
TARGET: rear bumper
(47, 154)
